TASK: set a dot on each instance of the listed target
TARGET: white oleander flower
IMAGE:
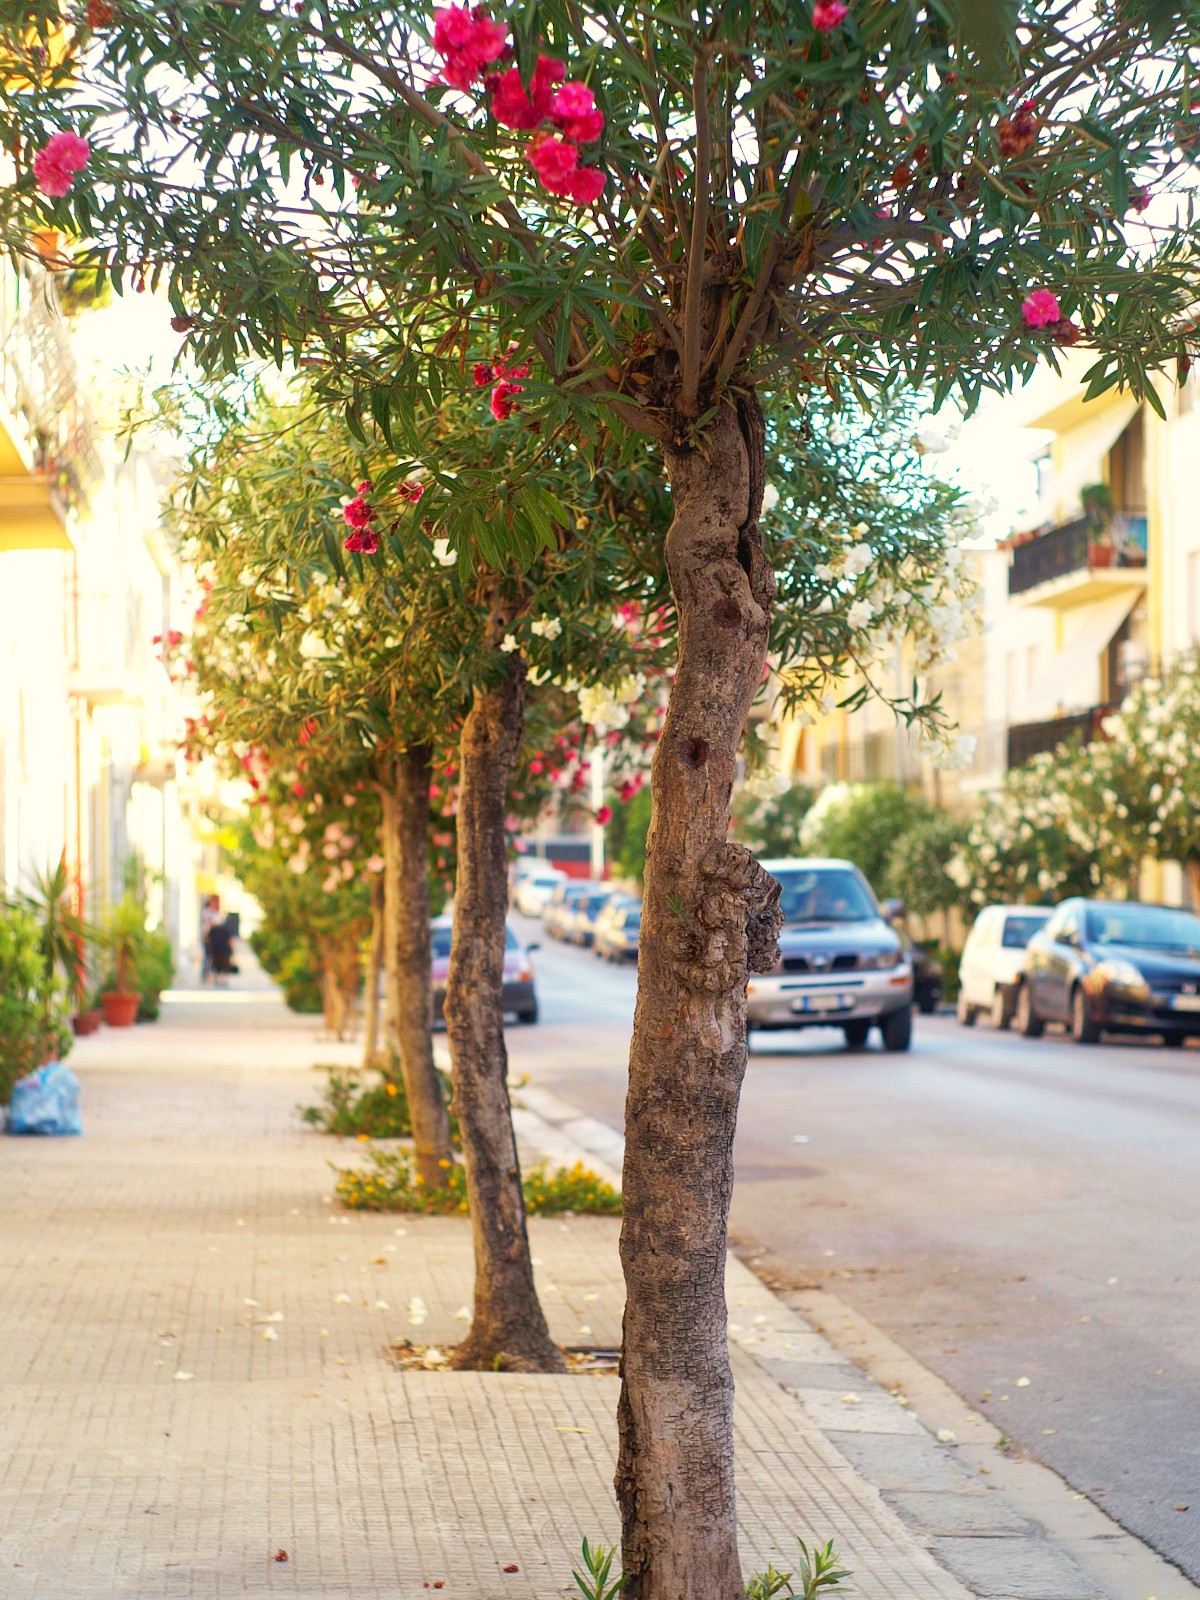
(442, 553)
(546, 627)
(509, 643)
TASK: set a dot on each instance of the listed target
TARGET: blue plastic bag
(47, 1102)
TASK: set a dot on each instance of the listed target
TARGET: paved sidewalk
(195, 1377)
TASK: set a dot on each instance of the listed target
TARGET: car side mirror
(533, 947)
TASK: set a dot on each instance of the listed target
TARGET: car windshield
(824, 894)
(441, 940)
(1019, 930)
(1148, 927)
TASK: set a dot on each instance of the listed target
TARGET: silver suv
(840, 964)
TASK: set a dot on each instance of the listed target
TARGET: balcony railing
(39, 383)
(1078, 547)
(1026, 739)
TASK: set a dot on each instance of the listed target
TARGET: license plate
(1186, 1002)
(824, 1002)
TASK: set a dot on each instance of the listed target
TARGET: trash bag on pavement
(46, 1102)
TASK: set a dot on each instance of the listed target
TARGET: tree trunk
(374, 969)
(405, 795)
(1192, 868)
(508, 1328)
(338, 987)
(710, 917)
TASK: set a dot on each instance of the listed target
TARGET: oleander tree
(1054, 829)
(1148, 773)
(343, 646)
(647, 223)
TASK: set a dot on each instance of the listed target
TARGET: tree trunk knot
(731, 925)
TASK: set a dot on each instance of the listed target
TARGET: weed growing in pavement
(818, 1572)
(392, 1183)
(354, 1109)
(593, 1582)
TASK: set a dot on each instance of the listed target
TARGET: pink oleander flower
(363, 541)
(55, 165)
(554, 160)
(574, 110)
(512, 107)
(586, 185)
(604, 815)
(358, 514)
(411, 491)
(828, 15)
(1041, 309)
(483, 374)
(503, 405)
(467, 41)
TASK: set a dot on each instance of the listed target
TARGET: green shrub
(950, 960)
(154, 970)
(354, 1110)
(391, 1183)
(33, 1013)
(291, 960)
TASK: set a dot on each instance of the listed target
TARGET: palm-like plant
(124, 934)
(63, 935)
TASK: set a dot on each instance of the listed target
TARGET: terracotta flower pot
(85, 1022)
(1100, 555)
(120, 1010)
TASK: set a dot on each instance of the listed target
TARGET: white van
(992, 959)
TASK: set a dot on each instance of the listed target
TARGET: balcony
(47, 458)
(1071, 565)
(1026, 739)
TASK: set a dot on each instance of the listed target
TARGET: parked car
(581, 927)
(560, 908)
(840, 961)
(1113, 966)
(534, 888)
(519, 993)
(617, 929)
(992, 959)
(929, 976)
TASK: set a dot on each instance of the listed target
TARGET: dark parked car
(519, 993)
(929, 977)
(1113, 966)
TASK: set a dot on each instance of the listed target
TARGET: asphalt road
(1022, 1215)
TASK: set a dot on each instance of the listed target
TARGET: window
(1018, 930)
(825, 894)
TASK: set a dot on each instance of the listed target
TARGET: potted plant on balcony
(124, 934)
(1097, 501)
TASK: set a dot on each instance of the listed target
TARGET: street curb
(1004, 1526)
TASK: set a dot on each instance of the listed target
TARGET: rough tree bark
(710, 917)
(374, 969)
(508, 1329)
(408, 958)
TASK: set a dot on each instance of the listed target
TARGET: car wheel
(897, 1030)
(1000, 1014)
(1029, 1024)
(1084, 1027)
(530, 1016)
(856, 1034)
(927, 1003)
(1174, 1041)
(966, 1014)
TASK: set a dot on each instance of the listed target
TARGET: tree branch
(693, 310)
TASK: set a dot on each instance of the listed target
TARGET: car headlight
(1123, 973)
(884, 960)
